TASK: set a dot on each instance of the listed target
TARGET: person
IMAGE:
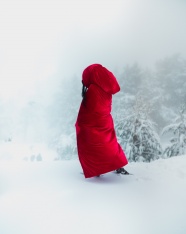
(97, 146)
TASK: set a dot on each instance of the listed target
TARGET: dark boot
(122, 171)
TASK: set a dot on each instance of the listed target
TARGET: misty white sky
(44, 39)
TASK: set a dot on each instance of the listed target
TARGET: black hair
(84, 90)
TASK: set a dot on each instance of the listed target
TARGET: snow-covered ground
(54, 198)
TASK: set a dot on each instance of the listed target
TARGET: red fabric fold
(98, 149)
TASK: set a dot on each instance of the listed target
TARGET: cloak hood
(98, 75)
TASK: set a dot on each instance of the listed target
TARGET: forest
(149, 114)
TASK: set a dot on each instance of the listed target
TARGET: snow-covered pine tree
(137, 135)
(178, 130)
(131, 79)
(171, 76)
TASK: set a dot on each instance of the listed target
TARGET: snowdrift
(53, 197)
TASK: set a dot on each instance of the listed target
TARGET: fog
(45, 43)
(41, 38)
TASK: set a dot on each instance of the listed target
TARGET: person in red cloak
(98, 149)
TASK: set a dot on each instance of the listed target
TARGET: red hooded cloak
(98, 149)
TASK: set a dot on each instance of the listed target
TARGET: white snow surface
(55, 198)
